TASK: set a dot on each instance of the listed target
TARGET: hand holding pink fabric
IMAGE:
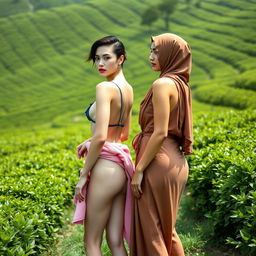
(120, 154)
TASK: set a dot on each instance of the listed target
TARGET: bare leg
(115, 226)
(107, 180)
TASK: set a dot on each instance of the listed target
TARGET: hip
(170, 149)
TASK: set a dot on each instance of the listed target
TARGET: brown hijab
(175, 61)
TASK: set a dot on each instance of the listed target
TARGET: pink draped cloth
(119, 154)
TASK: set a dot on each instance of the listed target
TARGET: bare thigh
(107, 180)
(116, 220)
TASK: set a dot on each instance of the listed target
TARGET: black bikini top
(110, 125)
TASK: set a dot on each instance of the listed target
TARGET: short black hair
(118, 48)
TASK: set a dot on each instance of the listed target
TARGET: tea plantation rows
(39, 171)
(38, 174)
(45, 85)
(223, 176)
(43, 73)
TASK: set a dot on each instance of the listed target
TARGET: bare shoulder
(104, 85)
(105, 88)
(163, 81)
(130, 88)
(165, 85)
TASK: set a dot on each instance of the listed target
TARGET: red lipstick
(153, 64)
(102, 70)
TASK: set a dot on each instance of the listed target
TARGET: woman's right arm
(81, 149)
(162, 92)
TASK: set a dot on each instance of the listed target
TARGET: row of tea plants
(223, 176)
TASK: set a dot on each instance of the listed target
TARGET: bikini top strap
(121, 96)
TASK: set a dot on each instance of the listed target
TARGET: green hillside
(11, 7)
(45, 84)
(44, 77)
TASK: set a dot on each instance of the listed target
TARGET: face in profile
(106, 61)
(153, 57)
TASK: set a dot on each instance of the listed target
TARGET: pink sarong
(119, 154)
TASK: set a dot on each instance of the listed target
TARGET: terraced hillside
(44, 76)
(11, 7)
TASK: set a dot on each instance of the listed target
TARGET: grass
(192, 232)
(70, 239)
(195, 233)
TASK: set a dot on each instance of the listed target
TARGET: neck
(116, 75)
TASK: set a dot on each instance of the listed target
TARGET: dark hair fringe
(118, 49)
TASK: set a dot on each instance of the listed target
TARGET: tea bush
(223, 176)
(38, 174)
(246, 80)
(226, 96)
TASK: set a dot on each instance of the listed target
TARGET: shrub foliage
(223, 176)
(38, 173)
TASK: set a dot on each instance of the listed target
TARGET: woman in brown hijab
(161, 168)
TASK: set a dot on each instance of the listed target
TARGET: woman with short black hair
(103, 194)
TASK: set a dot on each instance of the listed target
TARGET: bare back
(120, 110)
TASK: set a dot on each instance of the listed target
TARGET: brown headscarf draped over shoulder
(175, 61)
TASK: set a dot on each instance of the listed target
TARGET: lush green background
(44, 76)
(45, 85)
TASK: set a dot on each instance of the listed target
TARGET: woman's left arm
(103, 100)
(161, 104)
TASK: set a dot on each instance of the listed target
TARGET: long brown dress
(154, 214)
